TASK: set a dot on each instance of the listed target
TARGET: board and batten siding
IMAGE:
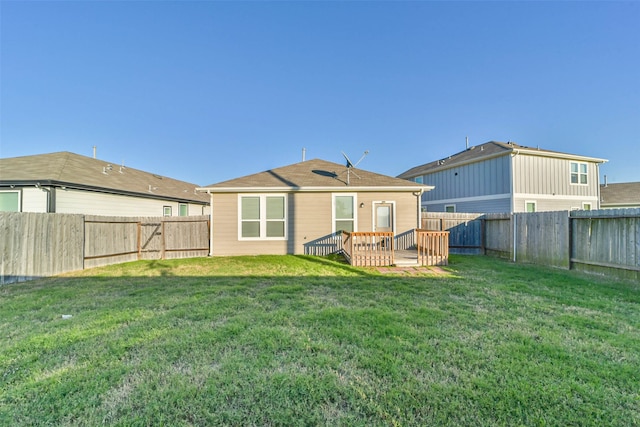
(547, 181)
(95, 203)
(497, 204)
(309, 217)
(470, 180)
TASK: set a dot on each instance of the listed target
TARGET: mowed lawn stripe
(292, 340)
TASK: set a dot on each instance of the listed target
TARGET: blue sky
(208, 91)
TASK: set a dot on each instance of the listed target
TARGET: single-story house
(289, 209)
(507, 177)
(65, 182)
(620, 195)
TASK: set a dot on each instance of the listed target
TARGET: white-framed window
(344, 212)
(183, 209)
(167, 211)
(530, 206)
(449, 208)
(586, 206)
(9, 201)
(262, 217)
(579, 173)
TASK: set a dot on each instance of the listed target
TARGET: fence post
(514, 223)
(483, 224)
(139, 240)
(570, 238)
(164, 241)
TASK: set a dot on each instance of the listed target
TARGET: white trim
(468, 199)
(355, 210)
(533, 202)
(262, 218)
(579, 173)
(587, 203)
(554, 197)
(346, 189)
(453, 205)
(19, 192)
(393, 213)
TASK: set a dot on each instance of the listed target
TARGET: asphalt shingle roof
(316, 173)
(624, 193)
(477, 153)
(65, 168)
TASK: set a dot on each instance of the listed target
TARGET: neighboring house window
(530, 206)
(263, 217)
(9, 201)
(586, 206)
(418, 179)
(344, 212)
(578, 173)
(166, 211)
(449, 208)
(183, 209)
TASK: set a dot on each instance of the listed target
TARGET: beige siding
(94, 203)
(34, 200)
(309, 217)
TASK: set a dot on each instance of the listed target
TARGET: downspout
(515, 237)
(210, 222)
(514, 153)
(418, 194)
(513, 203)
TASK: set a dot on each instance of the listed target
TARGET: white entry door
(383, 216)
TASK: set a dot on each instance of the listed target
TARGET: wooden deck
(377, 249)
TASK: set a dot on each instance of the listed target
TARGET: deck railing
(433, 247)
(368, 248)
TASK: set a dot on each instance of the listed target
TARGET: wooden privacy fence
(605, 241)
(465, 230)
(110, 240)
(34, 245)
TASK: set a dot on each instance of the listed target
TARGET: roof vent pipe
(94, 151)
(304, 152)
(466, 138)
(605, 181)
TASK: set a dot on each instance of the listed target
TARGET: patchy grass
(312, 341)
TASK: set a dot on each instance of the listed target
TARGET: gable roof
(624, 193)
(486, 151)
(314, 175)
(76, 171)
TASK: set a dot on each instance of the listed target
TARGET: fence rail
(433, 247)
(36, 245)
(604, 242)
(368, 248)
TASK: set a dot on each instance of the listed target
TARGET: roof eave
(71, 185)
(346, 189)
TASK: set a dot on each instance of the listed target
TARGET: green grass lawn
(311, 341)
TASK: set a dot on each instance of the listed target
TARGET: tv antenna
(350, 165)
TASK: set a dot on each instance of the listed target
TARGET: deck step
(406, 262)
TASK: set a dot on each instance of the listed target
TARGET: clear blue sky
(208, 91)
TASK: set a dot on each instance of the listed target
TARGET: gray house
(65, 182)
(619, 196)
(507, 177)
